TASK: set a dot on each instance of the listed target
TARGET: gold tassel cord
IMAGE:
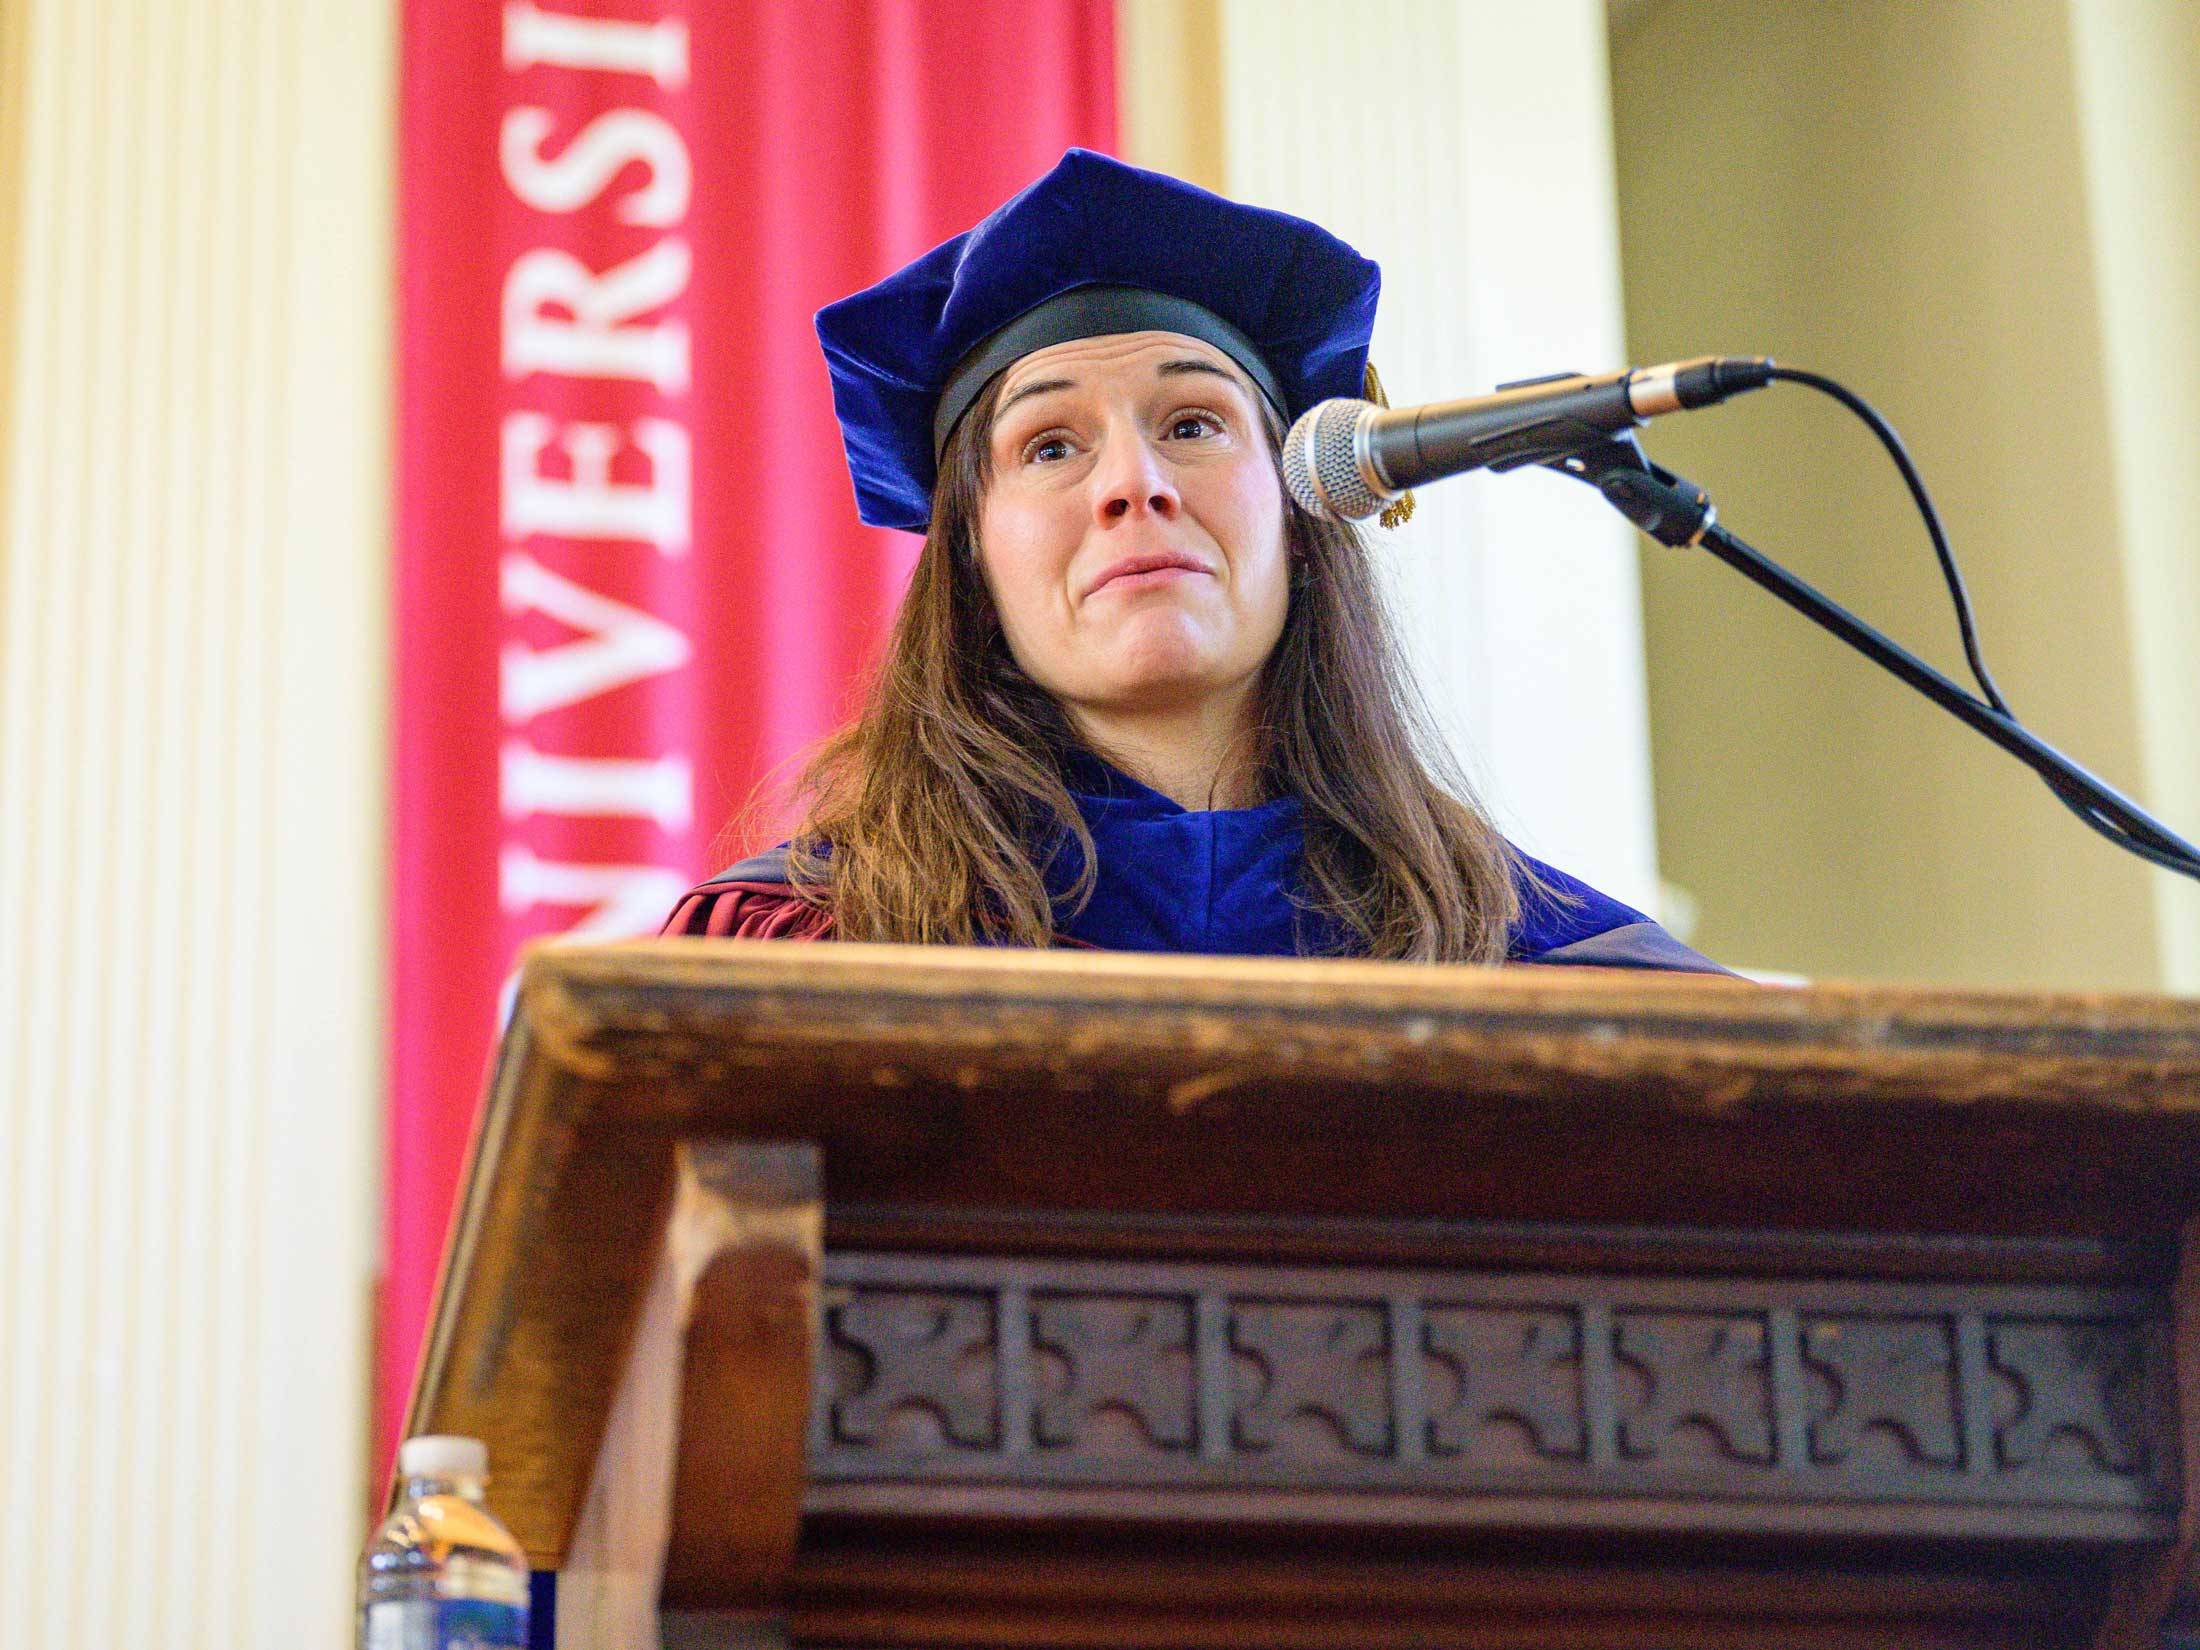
(1399, 510)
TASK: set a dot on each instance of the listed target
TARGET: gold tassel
(1399, 510)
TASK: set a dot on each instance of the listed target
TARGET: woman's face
(1132, 531)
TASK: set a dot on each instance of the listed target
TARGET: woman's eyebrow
(1044, 386)
(1167, 369)
(1170, 369)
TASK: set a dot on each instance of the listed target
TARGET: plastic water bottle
(441, 1573)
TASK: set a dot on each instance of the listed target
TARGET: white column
(1466, 146)
(192, 635)
(2137, 63)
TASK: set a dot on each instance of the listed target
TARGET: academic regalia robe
(1216, 881)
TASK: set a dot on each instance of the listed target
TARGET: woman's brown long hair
(927, 811)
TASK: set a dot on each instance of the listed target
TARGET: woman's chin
(1164, 661)
(1163, 685)
(1162, 639)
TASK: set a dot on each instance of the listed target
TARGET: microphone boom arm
(1677, 512)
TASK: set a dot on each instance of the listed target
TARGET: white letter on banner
(532, 35)
(590, 505)
(619, 644)
(586, 166)
(623, 900)
(593, 344)
(595, 787)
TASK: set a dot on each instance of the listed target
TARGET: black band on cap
(1093, 312)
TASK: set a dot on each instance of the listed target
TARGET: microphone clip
(1670, 508)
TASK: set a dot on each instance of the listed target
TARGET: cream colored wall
(193, 472)
(1464, 145)
(1898, 194)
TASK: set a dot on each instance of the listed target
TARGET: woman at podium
(1136, 698)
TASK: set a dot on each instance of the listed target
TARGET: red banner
(630, 581)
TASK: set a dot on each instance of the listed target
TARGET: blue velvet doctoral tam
(1302, 300)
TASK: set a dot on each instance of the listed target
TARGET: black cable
(1916, 483)
(1675, 511)
(2162, 851)
(2124, 840)
(1958, 594)
(2140, 835)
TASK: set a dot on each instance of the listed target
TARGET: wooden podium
(887, 1297)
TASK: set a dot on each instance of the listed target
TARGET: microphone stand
(1677, 512)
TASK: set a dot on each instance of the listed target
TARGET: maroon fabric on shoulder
(766, 911)
(749, 911)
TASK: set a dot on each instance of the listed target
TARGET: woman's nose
(1133, 479)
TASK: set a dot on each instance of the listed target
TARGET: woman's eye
(1192, 426)
(1046, 449)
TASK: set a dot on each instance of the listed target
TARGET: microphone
(1344, 460)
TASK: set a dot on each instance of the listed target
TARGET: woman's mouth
(1147, 571)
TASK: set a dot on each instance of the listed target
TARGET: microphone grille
(1320, 468)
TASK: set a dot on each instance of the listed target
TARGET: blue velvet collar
(1229, 881)
(1222, 881)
